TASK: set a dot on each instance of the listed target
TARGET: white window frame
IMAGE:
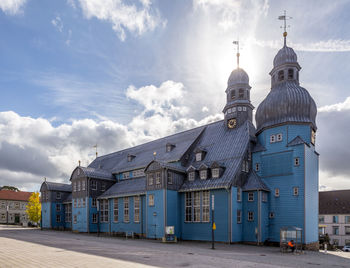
(137, 209)
(296, 191)
(244, 109)
(239, 109)
(79, 202)
(188, 206)
(126, 175)
(239, 216)
(279, 137)
(196, 206)
(250, 216)
(158, 177)
(277, 192)
(203, 174)
(74, 186)
(198, 157)
(215, 172)
(250, 196)
(150, 178)
(272, 138)
(257, 166)
(79, 186)
(94, 218)
(104, 210)
(239, 194)
(296, 161)
(115, 210)
(83, 184)
(151, 200)
(126, 209)
(94, 203)
(205, 206)
(191, 175)
(74, 201)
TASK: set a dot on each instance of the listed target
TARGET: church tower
(238, 108)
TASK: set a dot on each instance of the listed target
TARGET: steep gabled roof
(254, 183)
(97, 173)
(296, 141)
(226, 146)
(13, 195)
(126, 187)
(54, 186)
(171, 166)
(118, 161)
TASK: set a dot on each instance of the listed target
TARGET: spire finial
(284, 17)
(237, 43)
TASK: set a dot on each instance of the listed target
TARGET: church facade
(261, 178)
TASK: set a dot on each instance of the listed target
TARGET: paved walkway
(25, 247)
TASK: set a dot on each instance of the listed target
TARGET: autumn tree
(34, 208)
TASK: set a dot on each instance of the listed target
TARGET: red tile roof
(12, 195)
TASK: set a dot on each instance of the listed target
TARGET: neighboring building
(334, 216)
(13, 207)
(262, 178)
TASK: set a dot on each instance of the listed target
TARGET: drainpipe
(87, 205)
(259, 216)
(229, 191)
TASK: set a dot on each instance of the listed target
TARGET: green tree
(34, 208)
(11, 188)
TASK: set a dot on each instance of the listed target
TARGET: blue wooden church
(262, 178)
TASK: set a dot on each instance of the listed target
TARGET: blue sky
(74, 73)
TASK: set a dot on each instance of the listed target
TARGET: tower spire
(284, 17)
(237, 43)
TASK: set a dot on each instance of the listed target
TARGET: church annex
(262, 177)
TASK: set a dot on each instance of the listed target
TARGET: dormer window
(198, 157)
(203, 174)
(281, 75)
(241, 93)
(169, 147)
(150, 179)
(290, 74)
(233, 94)
(215, 172)
(191, 176)
(130, 157)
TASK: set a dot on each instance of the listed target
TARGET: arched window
(233, 94)
(280, 75)
(241, 93)
(290, 74)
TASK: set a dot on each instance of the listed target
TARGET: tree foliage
(34, 208)
(11, 188)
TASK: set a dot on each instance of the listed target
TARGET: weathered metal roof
(54, 186)
(227, 146)
(118, 161)
(126, 187)
(171, 166)
(238, 76)
(286, 102)
(285, 55)
(296, 141)
(254, 183)
(334, 202)
(97, 173)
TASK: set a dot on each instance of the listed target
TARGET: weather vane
(237, 43)
(284, 17)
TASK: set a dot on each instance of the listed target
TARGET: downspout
(229, 191)
(165, 205)
(110, 214)
(87, 205)
(141, 212)
(259, 216)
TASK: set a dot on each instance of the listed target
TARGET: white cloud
(123, 16)
(338, 107)
(12, 7)
(57, 22)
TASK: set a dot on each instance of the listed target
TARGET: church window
(150, 179)
(279, 137)
(244, 109)
(239, 216)
(250, 216)
(191, 176)
(169, 177)
(295, 191)
(93, 185)
(58, 195)
(104, 210)
(157, 177)
(281, 75)
(126, 209)
(277, 192)
(234, 109)
(250, 196)
(239, 108)
(264, 196)
(241, 93)
(136, 209)
(239, 194)
(188, 207)
(215, 172)
(115, 210)
(271, 215)
(233, 94)
(296, 161)
(205, 206)
(290, 73)
(198, 157)
(272, 138)
(151, 200)
(257, 166)
(203, 174)
(196, 207)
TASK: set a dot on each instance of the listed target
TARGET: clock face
(232, 123)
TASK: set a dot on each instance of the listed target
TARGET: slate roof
(296, 141)
(118, 161)
(68, 199)
(54, 186)
(171, 166)
(254, 183)
(13, 195)
(334, 202)
(126, 187)
(227, 147)
(258, 148)
(97, 173)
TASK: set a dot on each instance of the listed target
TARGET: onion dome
(237, 76)
(287, 101)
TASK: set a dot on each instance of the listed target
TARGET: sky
(117, 73)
